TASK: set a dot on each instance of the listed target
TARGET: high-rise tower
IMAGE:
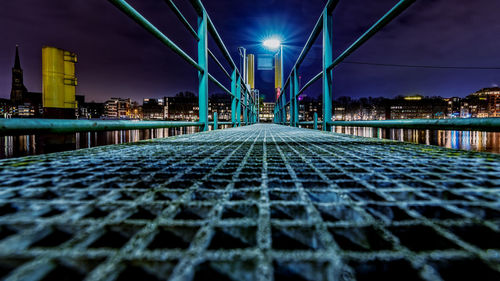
(18, 91)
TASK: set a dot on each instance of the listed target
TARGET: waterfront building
(488, 102)
(184, 106)
(220, 103)
(417, 107)
(118, 108)
(266, 113)
(154, 109)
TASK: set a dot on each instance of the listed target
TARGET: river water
(466, 140)
(17, 146)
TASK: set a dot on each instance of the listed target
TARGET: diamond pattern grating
(262, 202)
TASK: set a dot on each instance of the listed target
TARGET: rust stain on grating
(263, 202)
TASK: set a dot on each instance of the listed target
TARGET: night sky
(117, 58)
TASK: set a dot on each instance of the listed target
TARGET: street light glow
(272, 43)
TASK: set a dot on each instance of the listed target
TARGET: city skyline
(128, 62)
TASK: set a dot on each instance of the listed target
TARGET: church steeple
(18, 91)
(17, 64)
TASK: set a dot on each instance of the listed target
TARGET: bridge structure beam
(234, 99)
(324, 25)
(327, 74)
(238, 105)
(203, 75)
(295, 98)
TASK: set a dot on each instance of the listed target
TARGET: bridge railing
(241, 96)
(287, 112)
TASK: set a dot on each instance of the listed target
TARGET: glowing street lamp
(275, 44)
(272, 44)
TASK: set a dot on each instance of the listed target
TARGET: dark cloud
(118, 58)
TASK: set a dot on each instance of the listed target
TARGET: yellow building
(58, 83)
(251, 70)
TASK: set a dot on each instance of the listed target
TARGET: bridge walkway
(259, 202)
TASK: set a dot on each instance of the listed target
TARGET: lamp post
(275, 44)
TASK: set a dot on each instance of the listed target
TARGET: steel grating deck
(263, 202)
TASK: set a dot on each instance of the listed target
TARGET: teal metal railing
(241, 96)
(284, 109)
(324, 26)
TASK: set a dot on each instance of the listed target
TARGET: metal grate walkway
(260, 202)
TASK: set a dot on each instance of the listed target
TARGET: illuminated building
(58, 83)
(453, 107)
(153, 109)
(184, 106)
(266, 113)
(220, 103)
(487, 101)
(118, 108)
(91, 110)
(307, 107)
(417, 107)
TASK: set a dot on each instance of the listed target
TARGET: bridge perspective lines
(260, 202)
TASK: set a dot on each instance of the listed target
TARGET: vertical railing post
(276, 112)
(280, 111)
(238, 96)
(283, 110)
(295, 98)
(291, 102)
(315, 121)
(234, 100)
(327, 75)
(254, 112)
(248, 108)
(215, 120)
(203, 75)
(249, 114)
(251, 111)
(245, 105)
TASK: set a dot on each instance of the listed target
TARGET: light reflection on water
(17, 146)
(466, 140)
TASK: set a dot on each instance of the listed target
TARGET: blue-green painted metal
(245, 112)
(330, 6)
(315, 121)
(464, 124)
(219, 84)
(381, 23)
(203, 76)
(181, 17)
(324, 24)
(310, 82)
(295, 110)
(327, 74)
(219, 64)
(283, 110)
(198, 6)
(291, 103)
(204, 29)
(137, 17)
(22, 126)
(234, 99)
(215, 121)
(238, 107)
